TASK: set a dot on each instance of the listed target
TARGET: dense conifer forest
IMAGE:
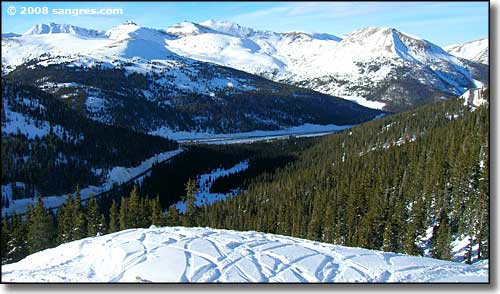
(379, 185)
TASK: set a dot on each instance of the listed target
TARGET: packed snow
(205, 182)
(116, 175)
(179, 254)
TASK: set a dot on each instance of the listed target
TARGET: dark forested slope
(380, 185)
(52, 148)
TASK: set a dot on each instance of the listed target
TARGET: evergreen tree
(156, 213)
(189, 217)
(124, 219)
(314, 229)
(173, 217)
(441, 241)
(93, 217)
(17, 247)
(102, 228)
(114, 218)
(79, 229)
(6, 236)
(65, 221)
(133, 211)
(40, 228)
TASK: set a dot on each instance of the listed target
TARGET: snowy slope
(16, 122)
(178, 254)
(68, 42)
(380, 67)
(477, 50)
(163, 92)
(275, 55)
(364, 64)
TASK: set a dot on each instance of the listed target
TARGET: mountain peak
(308, 35)
(129, 22)
(369, 31)
(231, 28)
(54, 28)
(387, 40)
(130, 29)
(187, 28)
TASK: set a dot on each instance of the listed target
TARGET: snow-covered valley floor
(178, 254)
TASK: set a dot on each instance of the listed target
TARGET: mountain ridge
(476, 50)
(372, 64)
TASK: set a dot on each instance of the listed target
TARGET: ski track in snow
(178, 254)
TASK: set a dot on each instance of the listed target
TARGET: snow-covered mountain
(179, 254)
(10, 35)
(375, 67)
(53, 28)
(370, 64)
(477, 50)
(127, 76)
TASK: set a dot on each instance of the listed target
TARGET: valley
(236, 154)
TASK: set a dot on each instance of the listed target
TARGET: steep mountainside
(179, 254)
(477, 50)
(129, 78)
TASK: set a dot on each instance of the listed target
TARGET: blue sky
(440, 22)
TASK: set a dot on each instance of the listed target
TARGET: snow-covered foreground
(116, 175)
(178, 254)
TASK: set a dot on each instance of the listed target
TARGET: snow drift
(178, 254)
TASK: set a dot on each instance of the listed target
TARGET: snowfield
(178, 254)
